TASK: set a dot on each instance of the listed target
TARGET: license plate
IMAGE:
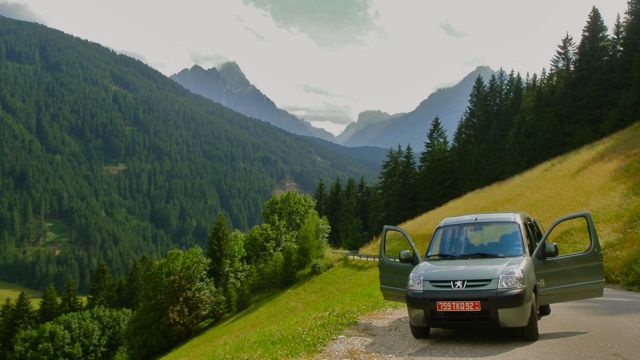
(458, 305)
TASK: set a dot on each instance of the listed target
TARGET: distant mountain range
(377, 128)
(228, 86)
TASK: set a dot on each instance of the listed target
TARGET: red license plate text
(458, 305)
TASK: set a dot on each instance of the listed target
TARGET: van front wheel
(420, 332)
(530, 332)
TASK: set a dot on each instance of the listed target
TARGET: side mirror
(549, 250)
(405, 257)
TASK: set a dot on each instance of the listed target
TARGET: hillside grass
(57, 231)
(11, 291)
(603, 177)
(296, 322)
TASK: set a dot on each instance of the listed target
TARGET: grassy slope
(9, 290)
(603, 177)
(295, 322)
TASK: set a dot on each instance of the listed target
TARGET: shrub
(90, 334)
(177, 296)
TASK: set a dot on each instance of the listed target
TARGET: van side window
(539, 231)
(531, 235)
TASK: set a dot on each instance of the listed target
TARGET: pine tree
(468, 134)
(352, 232)
(121, 295)
(6, 328)
(591, 80)
(631, 37)
(334, 215)
(218, 236)
(366, 209)
(435, 170)
(321, 198)
(69, 301)
(617, 38)
(630, 65)
(593, 47)
(563, 61)
(135, 281)
(49, 305)
(101, 287)
(407, 185)
(15, 317)
(389, 183)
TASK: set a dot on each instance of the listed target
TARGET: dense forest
(161, 302)
(511, 123)
(105, 159)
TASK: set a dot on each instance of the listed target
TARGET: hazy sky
(328, 60)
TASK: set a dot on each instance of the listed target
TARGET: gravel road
(602, 328)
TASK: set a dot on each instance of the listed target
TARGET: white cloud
(450, 30)
(19, 11)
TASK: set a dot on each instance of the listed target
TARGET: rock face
(228, 86)
(376, 128)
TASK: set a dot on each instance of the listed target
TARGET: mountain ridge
(411, 128)
(229, 86)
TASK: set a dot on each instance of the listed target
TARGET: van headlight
(513, 279)
(415, 281)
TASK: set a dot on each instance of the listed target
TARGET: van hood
(466, 269)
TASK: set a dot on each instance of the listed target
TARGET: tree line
(511, 123)
(162, 302)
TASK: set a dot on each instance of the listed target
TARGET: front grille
(470, 283)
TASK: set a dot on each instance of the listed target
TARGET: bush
(90, 334)
(632, 277)
(178, 295)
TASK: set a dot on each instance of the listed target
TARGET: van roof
(512, 216)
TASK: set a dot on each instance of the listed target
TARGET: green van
(491, 270)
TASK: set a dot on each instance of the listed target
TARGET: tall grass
(11, 291)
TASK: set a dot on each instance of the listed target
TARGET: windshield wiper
(482, 255)
(443, 256)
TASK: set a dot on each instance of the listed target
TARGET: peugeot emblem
(458, 284)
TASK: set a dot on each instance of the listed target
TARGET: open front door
(398, 256)
(568, 261)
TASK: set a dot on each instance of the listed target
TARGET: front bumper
(499, 308)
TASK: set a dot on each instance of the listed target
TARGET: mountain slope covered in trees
(227, 85)
(104, 158)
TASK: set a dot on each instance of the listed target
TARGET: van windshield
(476, 240)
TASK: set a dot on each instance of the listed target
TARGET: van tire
(420, 332)
(530, 332)
(544, 310)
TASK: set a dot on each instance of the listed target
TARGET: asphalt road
(601, 328)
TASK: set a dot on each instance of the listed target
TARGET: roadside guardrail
(356, 256)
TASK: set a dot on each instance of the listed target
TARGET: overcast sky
(328, 60)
